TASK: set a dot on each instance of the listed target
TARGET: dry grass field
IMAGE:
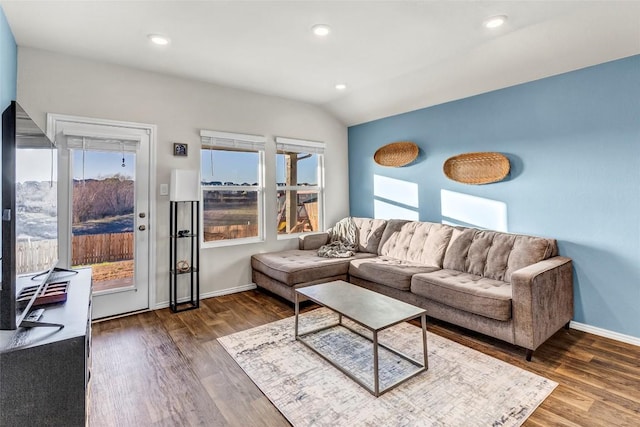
(106, 271)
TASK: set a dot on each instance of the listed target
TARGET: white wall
(54, 83)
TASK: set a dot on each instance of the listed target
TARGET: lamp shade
(185, 185)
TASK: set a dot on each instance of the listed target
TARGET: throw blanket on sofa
(343, 242)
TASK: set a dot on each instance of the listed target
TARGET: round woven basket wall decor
(477, 168)
(396, 154)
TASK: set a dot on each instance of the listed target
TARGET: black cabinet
(44, 371)
(184, 255)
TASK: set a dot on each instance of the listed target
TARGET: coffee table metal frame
(376, 391)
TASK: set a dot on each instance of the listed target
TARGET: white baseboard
(212, 294)
(605, 333)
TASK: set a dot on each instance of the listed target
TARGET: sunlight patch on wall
(394, 198)
(463, 209)
(384, 210)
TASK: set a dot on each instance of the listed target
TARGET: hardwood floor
(165, 369)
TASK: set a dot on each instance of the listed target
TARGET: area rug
(462, 387)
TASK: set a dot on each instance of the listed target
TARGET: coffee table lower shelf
(376, 390)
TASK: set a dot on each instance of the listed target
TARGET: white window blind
(299, 145)
(232, 141)
(77, 140)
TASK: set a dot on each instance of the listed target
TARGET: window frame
(227, 141)
(304, 146)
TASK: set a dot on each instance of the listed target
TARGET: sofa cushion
(387, 271)
(310, 241)
(369, 233)
(455, 256)
(418, 242)
(297, 266)
(493, 254)
(469, 292)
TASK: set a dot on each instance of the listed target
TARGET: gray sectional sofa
(510, 286)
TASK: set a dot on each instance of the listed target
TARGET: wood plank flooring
(165, 369)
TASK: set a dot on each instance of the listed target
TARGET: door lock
(142, 215)
(142, 228)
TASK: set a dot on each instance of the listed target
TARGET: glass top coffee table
(374, 312)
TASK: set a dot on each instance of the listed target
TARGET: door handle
(142, 228)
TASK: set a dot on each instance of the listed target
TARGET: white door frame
(63, 176)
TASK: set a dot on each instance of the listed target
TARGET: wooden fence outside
(96, 248)
(35, 255)
(222, 232)
(87, 249)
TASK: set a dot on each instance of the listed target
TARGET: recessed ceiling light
(495, 21)
(321, 30)
(158, 39)
(341, 86)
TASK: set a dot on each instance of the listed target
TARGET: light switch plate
(164, 189)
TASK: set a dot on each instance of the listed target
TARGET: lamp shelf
(184, 257)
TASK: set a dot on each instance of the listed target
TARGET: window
(231, 170)
(299, 166)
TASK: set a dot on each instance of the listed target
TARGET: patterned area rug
(462, 387)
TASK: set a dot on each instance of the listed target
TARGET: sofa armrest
(312, 241)
(542, 300)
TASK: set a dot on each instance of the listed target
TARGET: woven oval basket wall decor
(396, 154)
(477, 168)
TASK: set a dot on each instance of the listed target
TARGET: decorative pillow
(369, 233)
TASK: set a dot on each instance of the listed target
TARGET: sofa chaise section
(283, 272)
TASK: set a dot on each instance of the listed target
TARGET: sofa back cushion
(369, 233)
(494, 254)
(419, 242)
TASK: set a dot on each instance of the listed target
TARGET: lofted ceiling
(394, 56)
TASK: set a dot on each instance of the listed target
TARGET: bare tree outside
(103, 217)
(102, 198)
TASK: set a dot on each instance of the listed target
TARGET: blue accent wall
(8, 63)
(573, 141)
